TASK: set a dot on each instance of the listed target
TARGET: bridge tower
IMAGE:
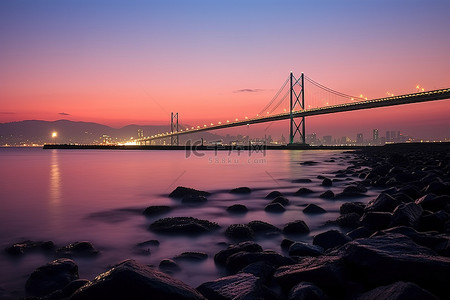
(297, 98)
(174, 128)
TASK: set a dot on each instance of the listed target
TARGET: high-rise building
(359, 139)
(327, 139)
(388, 136)
(375, 136)
(140, 133)
(311, 138)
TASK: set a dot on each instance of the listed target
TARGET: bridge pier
(174, 128)
(297, 97)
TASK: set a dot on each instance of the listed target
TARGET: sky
(134, 62)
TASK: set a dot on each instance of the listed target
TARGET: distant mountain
(40, 132)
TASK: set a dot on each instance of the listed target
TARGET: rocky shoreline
(397, 245)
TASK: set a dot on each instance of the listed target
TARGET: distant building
(359, 138)
(375, 136)
(140, 133)
(106, 139)
(388, 136)
(311, 138)
(327, 140)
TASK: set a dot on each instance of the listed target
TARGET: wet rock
(307, 291)
(383, 203)
(282, 200)
(260, 269)
(192, 256)
(237, 209)
(382, 260)
(402, 197)
(275, 208)
(29, 246)
(406, 215)
(71, 288)
(434, 203)
(353, 191)
(239, 231)
(304, 249)
(51, 277)
(194, 199)
(286, 243)
(350, 220)
(240, 260)
(240, 286)
(327, 195)
(303, 191)
(183, 225)
(182, 191)
(434, 221)
(144, 247)
(398, 291)
(169, 265)
(302, 180)
(249, 246)
(360, 232)
(309, 163)
(78, 249)
(296, 227)
(313, 209)
(438, 188)
(156, 210)
(263, 227)
(273, 195)
(352, 207)
(130, 280)
(327, 182)
(330, 239)
(410, 190)
(241, 190)
(376, 220)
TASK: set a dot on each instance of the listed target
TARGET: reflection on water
(55, 180)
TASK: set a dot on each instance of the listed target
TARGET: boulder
(375, 220)
(183, 225)
(240, 260)
(330, 239)
(398, 291)
(237, 209)
(235, 287)
(309, 163)
(302, 180)
(383, 203)
(130, 280)
(434, 221)
(241, 190)
(304, 249)
(327, 182)
(239, 232)
(303, 191)
(275, 208)
(286, 243)
(438, 188)
(434, 203)
(327, 195)
(313, 209)
(296, 227)
(29, 246)
(273, 195)
(194, 199)
(406, 214)
(182, 191)
(191, 256)
(307, 291)
(51, 277)
(78, 249)
(260, 269)
(263, 227)
(156, 210)
(169, 265)
(352, 207)
(222, 256)
(282, 200)
(350, 220)
(360, 232)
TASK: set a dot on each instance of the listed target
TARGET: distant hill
(40, 132)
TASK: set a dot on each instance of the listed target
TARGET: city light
(54, 134)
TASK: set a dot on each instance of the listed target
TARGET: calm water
(76, 195)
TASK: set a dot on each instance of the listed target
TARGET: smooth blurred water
(98, 196)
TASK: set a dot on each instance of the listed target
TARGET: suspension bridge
(321, 100)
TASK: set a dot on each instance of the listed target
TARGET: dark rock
(327, 182)
(286, 243)
(148, 243)
(350, 220)
(29, 246)
(260, 269)
(273, 195)
(307, 291)
(282, 200)
(239, 286)
(353, 191)
(320, 177)
(194, 199)
(383, 203)
(406, 215)
(352, 207)
(330, 239)
(130, 280)
(239, 231)
(438, 188)
(402, 197)
(183, 225)
(296, 227)
(169, 265)
(156, 210)
(304, 249)
(327, 195)
(237, 209)
(240, 260)
(263, 227)
(191, 256)
(313, 209)
(376, 220)
(304, 191)
(309, 163)
(71, 288)
(382, 260)
(398, 291)
(433, 203)
(222, 256)
(360, 232)
(51, 277)
(435, 221)
(302, 180)
(181, 192)
(78, 249)
(411, 191)
(275, 208)
(241, 190)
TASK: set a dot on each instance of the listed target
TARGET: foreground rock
(181, 192)
(222, 256)
(130, 280)
(78, 249)
(51, 277)
(307, 291)
(183, 225)
(398, 291)
(29, 246)
(156, 210)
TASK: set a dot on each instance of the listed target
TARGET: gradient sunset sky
(134, 62)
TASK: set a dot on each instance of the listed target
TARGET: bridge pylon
(174, 128)
(297, 97)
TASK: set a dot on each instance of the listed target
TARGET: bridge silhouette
(330, 101)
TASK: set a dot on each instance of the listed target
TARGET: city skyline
(134, 62)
